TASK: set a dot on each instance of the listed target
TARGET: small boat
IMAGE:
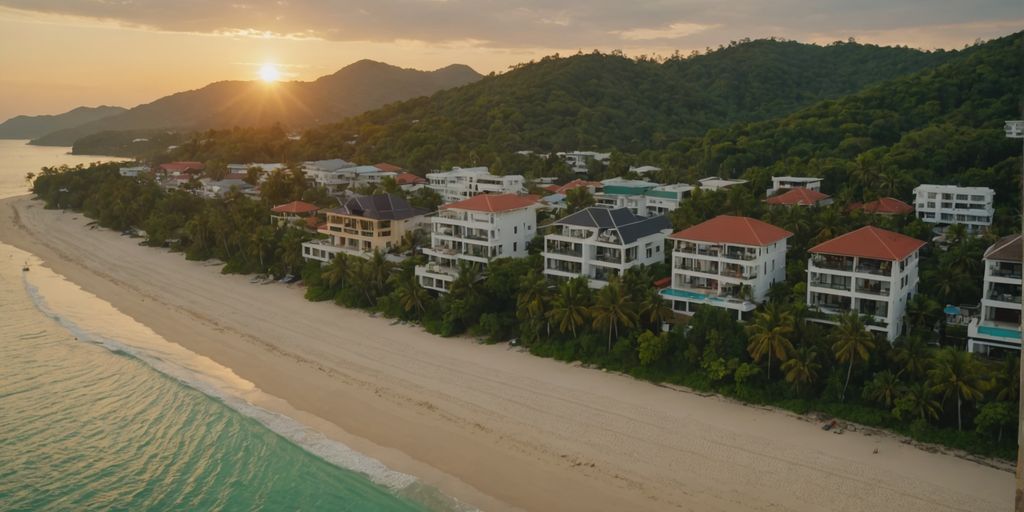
(24, 268)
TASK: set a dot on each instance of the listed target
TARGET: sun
(269, 73)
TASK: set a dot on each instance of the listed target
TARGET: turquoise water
(686, 294)
(88, 423)
(999, 331)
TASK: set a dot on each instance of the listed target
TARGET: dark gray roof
(379, 207)
(1008, 248)
(630, 226)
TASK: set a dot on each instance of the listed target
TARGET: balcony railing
(878, 270)
(845, 265)
(739, 273)
(1004, 296)
(1002, 271)
(704, 269)
(608, 257)
(829, 284)
(873, 290)
(741, 255)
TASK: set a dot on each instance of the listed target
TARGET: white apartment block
(133, 172)
(727, 262)
(951, 204)
(787, 182)
(643, 198)
(599, 242)
(475, 231)
(580, 160)
(870, 270)
(714, 183)
(663, 199)
(999, 323)
(464, 183)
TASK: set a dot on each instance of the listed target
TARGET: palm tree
(891, 181)
(852, 342)
(922, 312)
(411, 296)
(956, 234)
(957, 373)
(337, 272)
(917, 400)
(569, 306)
(654, 310)
(1007, 380)
(533, 299)
(883, 389)
(913, 354)
(829, 223)
(946, 281)
(769, 335)
(802, 367)
(612, 309)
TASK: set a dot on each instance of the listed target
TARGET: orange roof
(798, 196)
(885, 206)
(663, 282)
(731, 229)
(295, 207)
(386, 167)
(493, 202)
(551, 188)
(408, 178)
(577, 183)
(182, 166)
(870, 242)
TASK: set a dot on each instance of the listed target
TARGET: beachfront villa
(474, 231)
(727, 262)
(458, 183)
(365, 224)
(290, 212)
(998, 326)
(599, 242)
(871, 271)
(782, 183)
(950, 204)
(800, 197)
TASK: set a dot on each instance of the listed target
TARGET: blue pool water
(999, 332)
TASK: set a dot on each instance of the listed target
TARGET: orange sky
(53, 62)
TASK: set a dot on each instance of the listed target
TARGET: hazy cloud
(548, 23)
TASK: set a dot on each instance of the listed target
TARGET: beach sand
(494, 427)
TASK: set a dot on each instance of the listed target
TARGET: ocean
(98, 412)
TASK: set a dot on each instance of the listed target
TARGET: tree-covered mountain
(609, 102)
(354, 89)
(30, 127)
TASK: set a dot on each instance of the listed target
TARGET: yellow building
(365, 224)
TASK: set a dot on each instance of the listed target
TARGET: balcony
(575, 251)
(879, 290)
(739, 273)
(1005, 270)
(878, 269)
(745, 255)
(832, 263)
(834, 285)
(702, 267)
(1004, 296)
(609, 257)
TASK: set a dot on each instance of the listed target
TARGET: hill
(352, 90)
(609, 102)
(30, 127)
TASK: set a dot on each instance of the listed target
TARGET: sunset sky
(58, 54)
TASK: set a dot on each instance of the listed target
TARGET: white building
(999, 323)
(580, 160)
(780, 183)
(728, 262)
(134, 171)
(623, 193)
(715, 183)
(870, 270)
(600, 242)
(951, 204)
(458, 183)
(664, 198)
(475, 231)
(643, 170)
(329, 174)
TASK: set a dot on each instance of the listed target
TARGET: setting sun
(269, 73)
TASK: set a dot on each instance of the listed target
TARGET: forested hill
(30, 127)
(352, 90)
(596, 101)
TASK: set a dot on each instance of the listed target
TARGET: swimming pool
(999, 332)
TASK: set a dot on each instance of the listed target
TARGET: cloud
(554, 24)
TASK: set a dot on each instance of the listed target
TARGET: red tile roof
(408, 178)
(663, 282)
(731, 229)
(577, 183)
(295, 207)
(884, 206)
(386, 167)
(182, 166)
(551, 188)
(799, 197)
(870, 242)
(312, 222)
(494, 202)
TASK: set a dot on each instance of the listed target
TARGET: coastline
(496, 428)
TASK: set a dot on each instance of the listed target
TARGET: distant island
(30, 127)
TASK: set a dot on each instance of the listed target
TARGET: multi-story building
(475, 231)
(728, 262)
(664, 198)
(780, 183)
(951, 204)
(715, 183)
(134, 171)
(365, 224)
(623, 193)
(800, 197)
(458, 183)
(871, 271)
(999, 322)
(580, 160)
(600, 242)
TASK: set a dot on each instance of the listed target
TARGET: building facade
(475, 231)
(458, 183)
(600, 242)
(727, 262)
(999, 323)
(871, 271)
(365, 224)
(780, 183)
(950, 204)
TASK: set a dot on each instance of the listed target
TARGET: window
(515, 246)
(515, 230)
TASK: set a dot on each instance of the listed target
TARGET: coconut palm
(801, 369)
(533, 299)
(337, 273)
(569, 306)
(956, 234)
(892, 181)
(913, 355)
(1007, 380)
(922, 312)
(884, 388)
(411, 296)
(917, 400)
(653, 310)
(613, 308)
(852, 343)
(957, 374)
(769, 334)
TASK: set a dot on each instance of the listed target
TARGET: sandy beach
(494, 427)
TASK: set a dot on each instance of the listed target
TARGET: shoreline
(496, 428)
